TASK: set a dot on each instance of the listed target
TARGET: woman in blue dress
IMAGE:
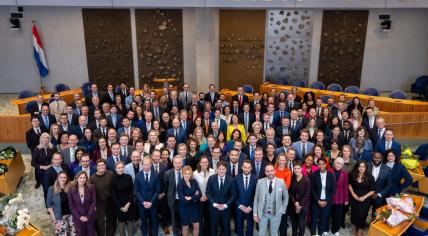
(189, 194)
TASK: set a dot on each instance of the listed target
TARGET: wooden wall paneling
(342, 46)
(13, 128)
(242, 37)
(108, 45)
(160, 45)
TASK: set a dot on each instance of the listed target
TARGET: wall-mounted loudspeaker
(16, 15)
(385, 22)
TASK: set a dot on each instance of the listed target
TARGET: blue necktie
(46, 122)
(251, 153)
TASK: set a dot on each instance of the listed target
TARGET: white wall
(61, 30)
(393, 60)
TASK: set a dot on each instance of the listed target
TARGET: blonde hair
(44, 135)
(185, 169)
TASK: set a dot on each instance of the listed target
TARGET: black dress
(123, 192)
(359, 210)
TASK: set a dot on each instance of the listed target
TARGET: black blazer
(52, 120)
(244, 99)
(51, 174)
(33, 109)
(316, 187)
(262, 169)
(32, 138)
(179, 104)
(383, 181)
(251, 118)
(220, 196)
(41, 158)
(208, 97)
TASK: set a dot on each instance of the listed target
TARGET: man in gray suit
(68, 154)
(134, 166)
(302, 147)
(270, 202)
(185, 96)
(172, 177)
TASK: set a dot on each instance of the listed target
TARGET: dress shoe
(37, 185)
(166, 230)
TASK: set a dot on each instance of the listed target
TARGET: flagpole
(42, 85)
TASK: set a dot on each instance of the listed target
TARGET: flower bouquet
(8, 153)
(15, 216)
(392, 217)
(402, 202)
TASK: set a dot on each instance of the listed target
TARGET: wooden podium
(31, 230)
(10, 179)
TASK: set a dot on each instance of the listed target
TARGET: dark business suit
(374, 136)
(51, 174)
(382, 184)
(172, 199)
(279, 131)
(395, 146)
(251, 119)
(92, 170)
(33, 138)
(162, 204)
(398, 173)
(366, 123)
(116, 124)
(261, 173)
(51, 120)
(111, 164)
(294, 105)
(177, 104)
(295, 132)
(318, 213)
(220, 196)
(244, 196)
(40, 157)
(277, 117)
(147, 192)
(181, 135)
(87, 209)
(242, 101)
(264, 142)
(33, 108)
(207, 98)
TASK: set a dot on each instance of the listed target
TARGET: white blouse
(202, 180)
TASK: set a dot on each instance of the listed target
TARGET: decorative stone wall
(342, 47)
(241, 56)
(160, 45)
(108, 45)
(288, 50)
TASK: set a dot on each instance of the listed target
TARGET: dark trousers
(45, 185)
(106, 217)
(175, 218)
(164, 216)
(240, 218)
(298, 222)
(336, 217)
(220, 217)
(146, 214)
(344, 211)
(319, 218)
(283, 225)
(87, 228)
(376, 203)
(204, 223)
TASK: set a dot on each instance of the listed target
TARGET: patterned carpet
(7, 108)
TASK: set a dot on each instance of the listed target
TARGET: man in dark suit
(171, 180)
(45, 118)
(115, 157)
(256, 100)
(249, 148)
(160, 169)
(179, 133)
(258, 164)
(174, 102)
(72, 117)
(387, 143)
(220, 196)
(147, 187)
(109, 96)
(85, 162)
(114, 119)
(247, 118)
(33, 134)
(291, 103)
(380, 174)
(240, 97)
(93, 93)
(244, 188)
(295, 126)
(79, 130)
(346, 133)
(156, 110)
(377, 133)
(102, 130)
(233, 163)
(64, 126)
(235, 109)
(184, 122)
(35, 109)
(370, 121)
(270, 138)
(338, 112)
(123, 91)
(212, 96)
(312, 115)
(56, 167)
(280, 113)
(216, 156)
(283, 128)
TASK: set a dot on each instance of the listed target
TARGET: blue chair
(418, 228)
(422, 151)
(86, 89)
(352, 89)
(324, 98)
(284, 91)
(117, 89)
(318, 85)
(334, 87)
(398, 94)
(26, 94)
(420, 85)
(281, 81)
(29, 105)
(299, 83)
(51, 100)
(371, 92)
(248, 88)
(61, 87)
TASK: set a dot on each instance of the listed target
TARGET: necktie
(270, 187)
(157, 113)
(46, 121)
(346, 134)
(212, 97)
(280, 114)
(236, 110)
(186, 97)
(246, 121)
(233, 170)
(290, 165)
(252, 153)
(290, 104)
(147, 178)
(240, 100)
(221, 183)
(57, 105)
(388, 145)
(38, 132)
(104, 132)
(303, 150)
(183, 124)
(176, 132)
(206, 126)
(116, 159)
(257, 168)
(157, 168)
(246, 183)
(111, 96)
(124, 92)
(371, 122)
(293, 124)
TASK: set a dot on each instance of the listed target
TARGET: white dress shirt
(323, 185)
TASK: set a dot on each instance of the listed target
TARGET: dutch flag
(39, 53)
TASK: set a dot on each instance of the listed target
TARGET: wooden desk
(384, 103)
(31, 230)
(67, 96)
(10, 179)
(229, 93)
(378, 228)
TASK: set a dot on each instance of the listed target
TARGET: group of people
(116, 160)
